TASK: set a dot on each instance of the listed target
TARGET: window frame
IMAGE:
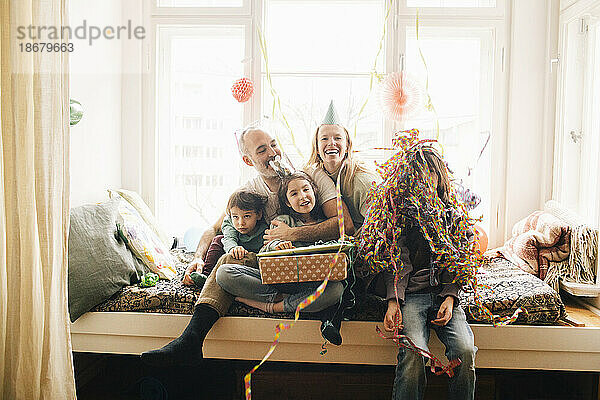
(251, 14)
(586, 10)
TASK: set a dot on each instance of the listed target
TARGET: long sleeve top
(420, 274)
(250, 241)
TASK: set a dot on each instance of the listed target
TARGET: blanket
(536, 241)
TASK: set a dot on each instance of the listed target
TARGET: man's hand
(284, 245)
(197, 265)
(238, 252)
(281, 231)
(393, 316)
(444, 314)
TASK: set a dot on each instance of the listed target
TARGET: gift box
(302, 268)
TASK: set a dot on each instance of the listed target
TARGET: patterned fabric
(144, 242)
(537, 240)
(511, 289)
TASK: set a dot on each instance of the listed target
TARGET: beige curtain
(35, 347)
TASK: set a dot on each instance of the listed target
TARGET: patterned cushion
(136, 202)
(143, 242)
(511, 288)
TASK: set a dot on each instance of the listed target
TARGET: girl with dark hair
(297, 196)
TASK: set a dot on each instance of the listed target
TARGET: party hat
(331, 117)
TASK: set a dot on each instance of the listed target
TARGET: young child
(243, 229)
(428, 297)
(297, 197)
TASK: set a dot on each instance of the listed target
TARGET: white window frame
(495, 18)
(585, 11)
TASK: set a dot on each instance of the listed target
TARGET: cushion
(140, 206)
(506, 289)
(144, 242)
(99, 262)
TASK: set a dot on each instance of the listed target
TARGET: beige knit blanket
(537, 240)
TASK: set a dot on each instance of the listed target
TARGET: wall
(95, 82)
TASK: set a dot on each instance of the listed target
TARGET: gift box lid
(316, 249)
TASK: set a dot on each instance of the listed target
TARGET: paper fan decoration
(400, 96)
(242, 90)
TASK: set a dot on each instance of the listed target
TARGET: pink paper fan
(242, 90)
(400, 96)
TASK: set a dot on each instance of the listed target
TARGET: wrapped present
(302, 268)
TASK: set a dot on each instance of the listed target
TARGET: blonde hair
(352, 166)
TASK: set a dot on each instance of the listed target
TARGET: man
(258, 148)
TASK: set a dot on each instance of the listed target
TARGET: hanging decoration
(75, 112)
(242, 90)
(400, 96)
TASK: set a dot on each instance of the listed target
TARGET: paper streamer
(404, 198)
(282, 326)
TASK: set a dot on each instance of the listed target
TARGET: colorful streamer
(282, 326)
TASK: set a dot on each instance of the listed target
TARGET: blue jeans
(417, 312)
(244, 281)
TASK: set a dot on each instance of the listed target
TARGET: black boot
(331, 321)
(187, 348)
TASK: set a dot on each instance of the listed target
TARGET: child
(428, 299)
(243, 229)
(298, 197)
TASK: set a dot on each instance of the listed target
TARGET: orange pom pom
(242, 90)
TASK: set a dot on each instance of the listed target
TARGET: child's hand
(284, 245)
(238, 252)
(444, 315)
(393, 316)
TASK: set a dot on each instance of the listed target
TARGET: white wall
(528, 161)
(95, 82)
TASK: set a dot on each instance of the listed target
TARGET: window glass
(200, 3)
(451, 3)
(324, 52)
(460, 70)
(198, 161)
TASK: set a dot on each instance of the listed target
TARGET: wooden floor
(579, 313)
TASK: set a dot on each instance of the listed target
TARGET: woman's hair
(352, 165)
(435, 164)
(316, 212)
(247, 200)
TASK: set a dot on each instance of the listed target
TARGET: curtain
(35, 347)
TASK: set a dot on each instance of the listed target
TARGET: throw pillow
(99, 262)
(140, 206)
(144, 242)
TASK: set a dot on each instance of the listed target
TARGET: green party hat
(331, 117)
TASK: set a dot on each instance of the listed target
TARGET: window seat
(567, 348)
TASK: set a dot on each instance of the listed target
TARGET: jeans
(417, 312)
(244, 281)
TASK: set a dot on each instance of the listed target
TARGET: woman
(332, 150)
